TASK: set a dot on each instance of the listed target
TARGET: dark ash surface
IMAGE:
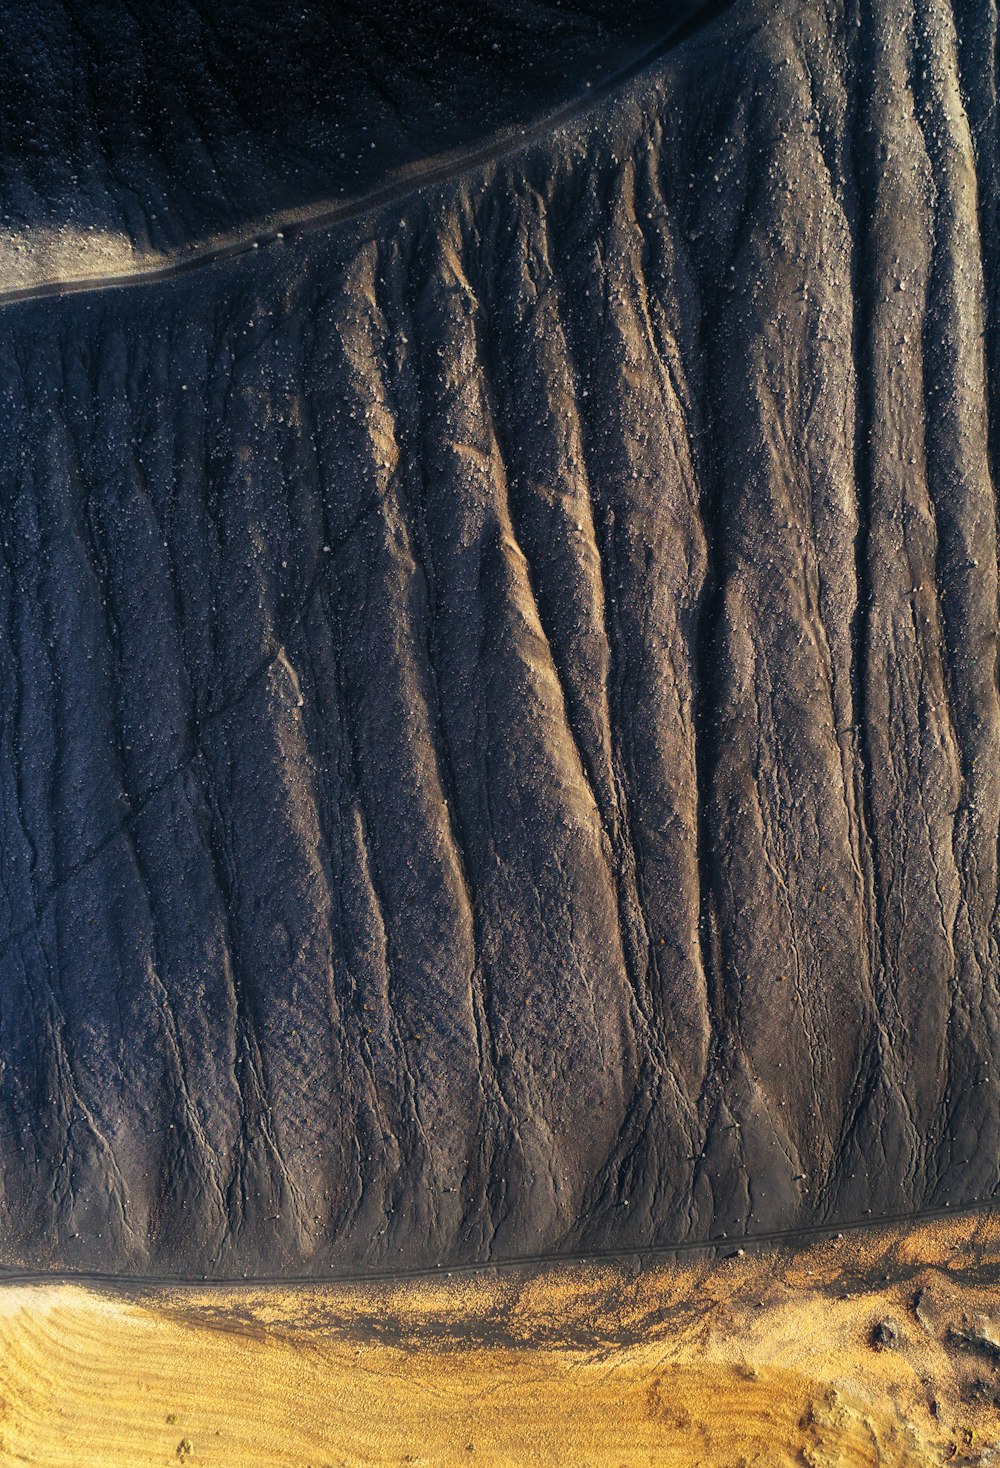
(498, 705)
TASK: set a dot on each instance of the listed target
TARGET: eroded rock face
(499, 744)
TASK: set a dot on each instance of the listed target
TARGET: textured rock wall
(499, 718)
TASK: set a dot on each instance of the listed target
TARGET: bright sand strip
(37, 257)
(764, 1360)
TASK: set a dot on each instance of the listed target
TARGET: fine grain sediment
(498, 706)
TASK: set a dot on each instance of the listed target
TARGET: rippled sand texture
(769, 1360)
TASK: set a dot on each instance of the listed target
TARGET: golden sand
(764, 1360)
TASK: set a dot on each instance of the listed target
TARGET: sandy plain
(880, 1347)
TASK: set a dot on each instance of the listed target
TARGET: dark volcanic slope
(499, 719)
(167, 122)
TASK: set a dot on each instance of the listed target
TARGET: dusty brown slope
(499, 714)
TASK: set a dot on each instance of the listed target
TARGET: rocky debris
(885, 1334)
(980, 1339)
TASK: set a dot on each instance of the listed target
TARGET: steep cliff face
(499, 718)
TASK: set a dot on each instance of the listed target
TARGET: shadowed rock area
(498, 703)
(175, 122)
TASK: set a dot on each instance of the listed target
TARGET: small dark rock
(885, 1335)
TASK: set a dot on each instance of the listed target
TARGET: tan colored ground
(765, 1360)
(33, 257)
